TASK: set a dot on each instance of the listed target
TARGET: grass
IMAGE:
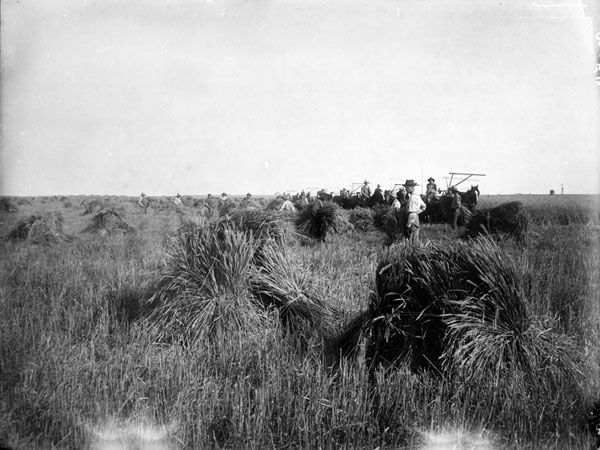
(70, 358)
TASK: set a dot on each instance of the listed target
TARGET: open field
(77, 350)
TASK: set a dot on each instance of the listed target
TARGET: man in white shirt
(396, 205)
(177, 200)
(414, 207)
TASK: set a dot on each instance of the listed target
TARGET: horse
(470, 198)
(376, 199)
(438, 208)
(347, 201)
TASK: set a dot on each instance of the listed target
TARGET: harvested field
(230, 332)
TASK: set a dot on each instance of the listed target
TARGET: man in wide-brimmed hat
(455, 207)
(365, 191)
(223, 202)
(322, 195)
(248, 203)
(177, 200)
(303, 199)
(143, 203)
(431, 190)
(377, 198)
(414, 207)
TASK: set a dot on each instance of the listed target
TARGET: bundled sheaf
(380, 215)
(362, 218)
(109, 221)
(265, 226)
(458, 308)
(278, 282)
(91, 206)
(40, 228)
(275, 204)
(393, 225)
(8, 205)
(403, 321)
(507, 219)
(221, 279)
(318, 223)
(204, 289)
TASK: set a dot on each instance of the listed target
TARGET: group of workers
(405, 198)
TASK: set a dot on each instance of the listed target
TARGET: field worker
(377, 197)
(247, 199)
(177, 200)
(431, 190)
(303, 199)
(211, 203)
(396, 205)
(223, 199)
(143, 203)
(318, 203)
(248, 202)
(455, 207)
(287, 205)
(365, 191)
(414, 207)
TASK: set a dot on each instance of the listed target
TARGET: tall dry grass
(68, 357)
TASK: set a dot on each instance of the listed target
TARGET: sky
(164, 96)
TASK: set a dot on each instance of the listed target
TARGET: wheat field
(86, 357)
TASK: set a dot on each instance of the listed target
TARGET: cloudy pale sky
(166, 96)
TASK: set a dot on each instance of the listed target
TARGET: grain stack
(91, 206)
(109, 221)
(507, 219)
(8, 205)
(279, 282)
(458, 308)
(318, 223)
(362, 218)
(266, 226)
(203, 292)
(40, 228)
